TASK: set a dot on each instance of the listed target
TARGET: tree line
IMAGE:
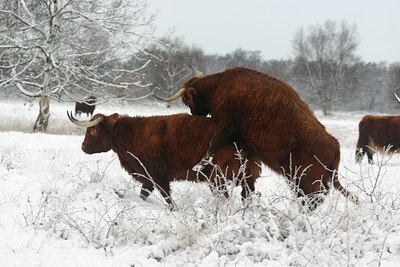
(67, 50)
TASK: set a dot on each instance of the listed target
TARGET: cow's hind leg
(222, 136)
(360, 152)
(146, 190)
(165, 190)
(311, 195)
(248, 183)
(370, 153)
(363, 148)
(247, 187)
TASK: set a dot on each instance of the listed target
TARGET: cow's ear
(191, 94)
(110, 122)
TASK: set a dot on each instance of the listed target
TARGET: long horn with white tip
(85, 124)
(171, 98)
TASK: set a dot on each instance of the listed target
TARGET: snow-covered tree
(68, 49)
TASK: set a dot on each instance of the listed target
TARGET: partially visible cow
(274, 121)
(87, 106)
(377, 133)
(165, 148)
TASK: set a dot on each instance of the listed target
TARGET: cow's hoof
(202, 164)
(198, 167)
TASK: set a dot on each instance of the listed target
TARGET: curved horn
(85, 124)
(172, 98)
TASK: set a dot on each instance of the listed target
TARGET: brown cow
(274, 121)
(165, 148)
(87, 106)
(377, 133)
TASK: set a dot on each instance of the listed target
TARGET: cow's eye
(92, 132)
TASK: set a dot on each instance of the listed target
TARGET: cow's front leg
(206, 160)
(146, 190)
(222, 135)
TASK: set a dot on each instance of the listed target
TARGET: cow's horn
(85, 124)
(172, 98)
(197, 73)
(397, 98)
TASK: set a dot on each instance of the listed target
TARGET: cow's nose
(83, 147)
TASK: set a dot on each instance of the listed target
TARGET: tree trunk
(326, 111)
(42, 120)
(326, 107)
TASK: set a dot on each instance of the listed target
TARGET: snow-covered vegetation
(61, 207)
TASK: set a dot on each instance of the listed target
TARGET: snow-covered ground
(59, 207)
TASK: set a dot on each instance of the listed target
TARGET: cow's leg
(370, 154)
(165, 190)
(363, 148)
(312, 201)
(306, 178)
(359, 154)
(247, 187)
(146, 190)
(311, 194)
(248, 184)
(222, 136)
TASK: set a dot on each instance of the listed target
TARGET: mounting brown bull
(166, 148)
(274, 122)
(87, 106)
(377, 133)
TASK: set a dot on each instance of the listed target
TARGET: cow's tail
(335, 179)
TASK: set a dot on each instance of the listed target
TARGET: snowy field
(59, 207)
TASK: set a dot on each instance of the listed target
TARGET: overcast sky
(221, 26)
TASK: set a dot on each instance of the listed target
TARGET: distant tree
(280, 69)
(68, 49)
(322, 55)
(241, 57)
(370, 87)
(213, 63)
(170, 65)
(394, 80)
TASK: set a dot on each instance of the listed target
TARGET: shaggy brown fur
(167, 147)
(86, 107)
(278, 126)
(377, 133)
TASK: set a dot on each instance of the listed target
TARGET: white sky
(221, 26)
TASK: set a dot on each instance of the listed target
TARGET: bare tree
(171, 65)
(69, 49)
(323, 54)
(394, 80)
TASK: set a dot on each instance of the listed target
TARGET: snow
(59, 207)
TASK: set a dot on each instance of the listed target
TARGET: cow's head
(98, 132)
(190, 97)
